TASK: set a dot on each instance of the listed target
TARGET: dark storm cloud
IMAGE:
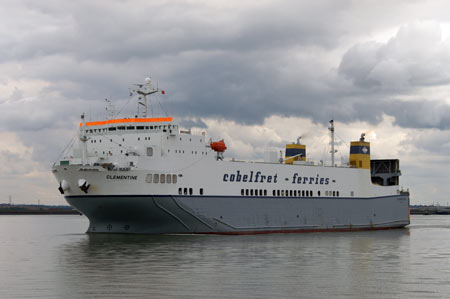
(239, 63)
(115, 31)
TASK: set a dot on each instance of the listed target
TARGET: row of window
(182, 152)
(161, 178)
(123, 139)
(127, 128)
(150, 152)
(281, 193)
(263, 192)
(190, 191)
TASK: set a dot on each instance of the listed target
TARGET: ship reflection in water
(266, 266)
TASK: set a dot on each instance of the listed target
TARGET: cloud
(244, 71)
(415, 57)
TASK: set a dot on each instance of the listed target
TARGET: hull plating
(163, 214)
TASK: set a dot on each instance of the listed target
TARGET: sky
(256, 73)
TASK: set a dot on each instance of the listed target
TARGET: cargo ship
(147, 175)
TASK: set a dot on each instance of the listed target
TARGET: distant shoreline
(430, 210)
(7, 209)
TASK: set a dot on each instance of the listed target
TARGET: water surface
(52, 257)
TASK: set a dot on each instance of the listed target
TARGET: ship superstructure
(147, 175)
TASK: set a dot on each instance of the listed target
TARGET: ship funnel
(360, 153)
(295, 152)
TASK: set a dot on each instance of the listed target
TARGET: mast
(83, 139)
(333, 151)
(145, 90)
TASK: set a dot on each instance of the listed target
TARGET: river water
(52, 257)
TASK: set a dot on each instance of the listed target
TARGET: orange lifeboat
(218, 146)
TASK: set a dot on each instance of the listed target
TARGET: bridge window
(169, 179)
(148, 178)
(174, 178)
(156, 178)
(162, 179)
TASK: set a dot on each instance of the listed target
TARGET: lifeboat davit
(218, 146)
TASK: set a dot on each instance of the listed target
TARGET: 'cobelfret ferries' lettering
(259, 177)
(121, 177)
(296, 179)
(251, 177)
